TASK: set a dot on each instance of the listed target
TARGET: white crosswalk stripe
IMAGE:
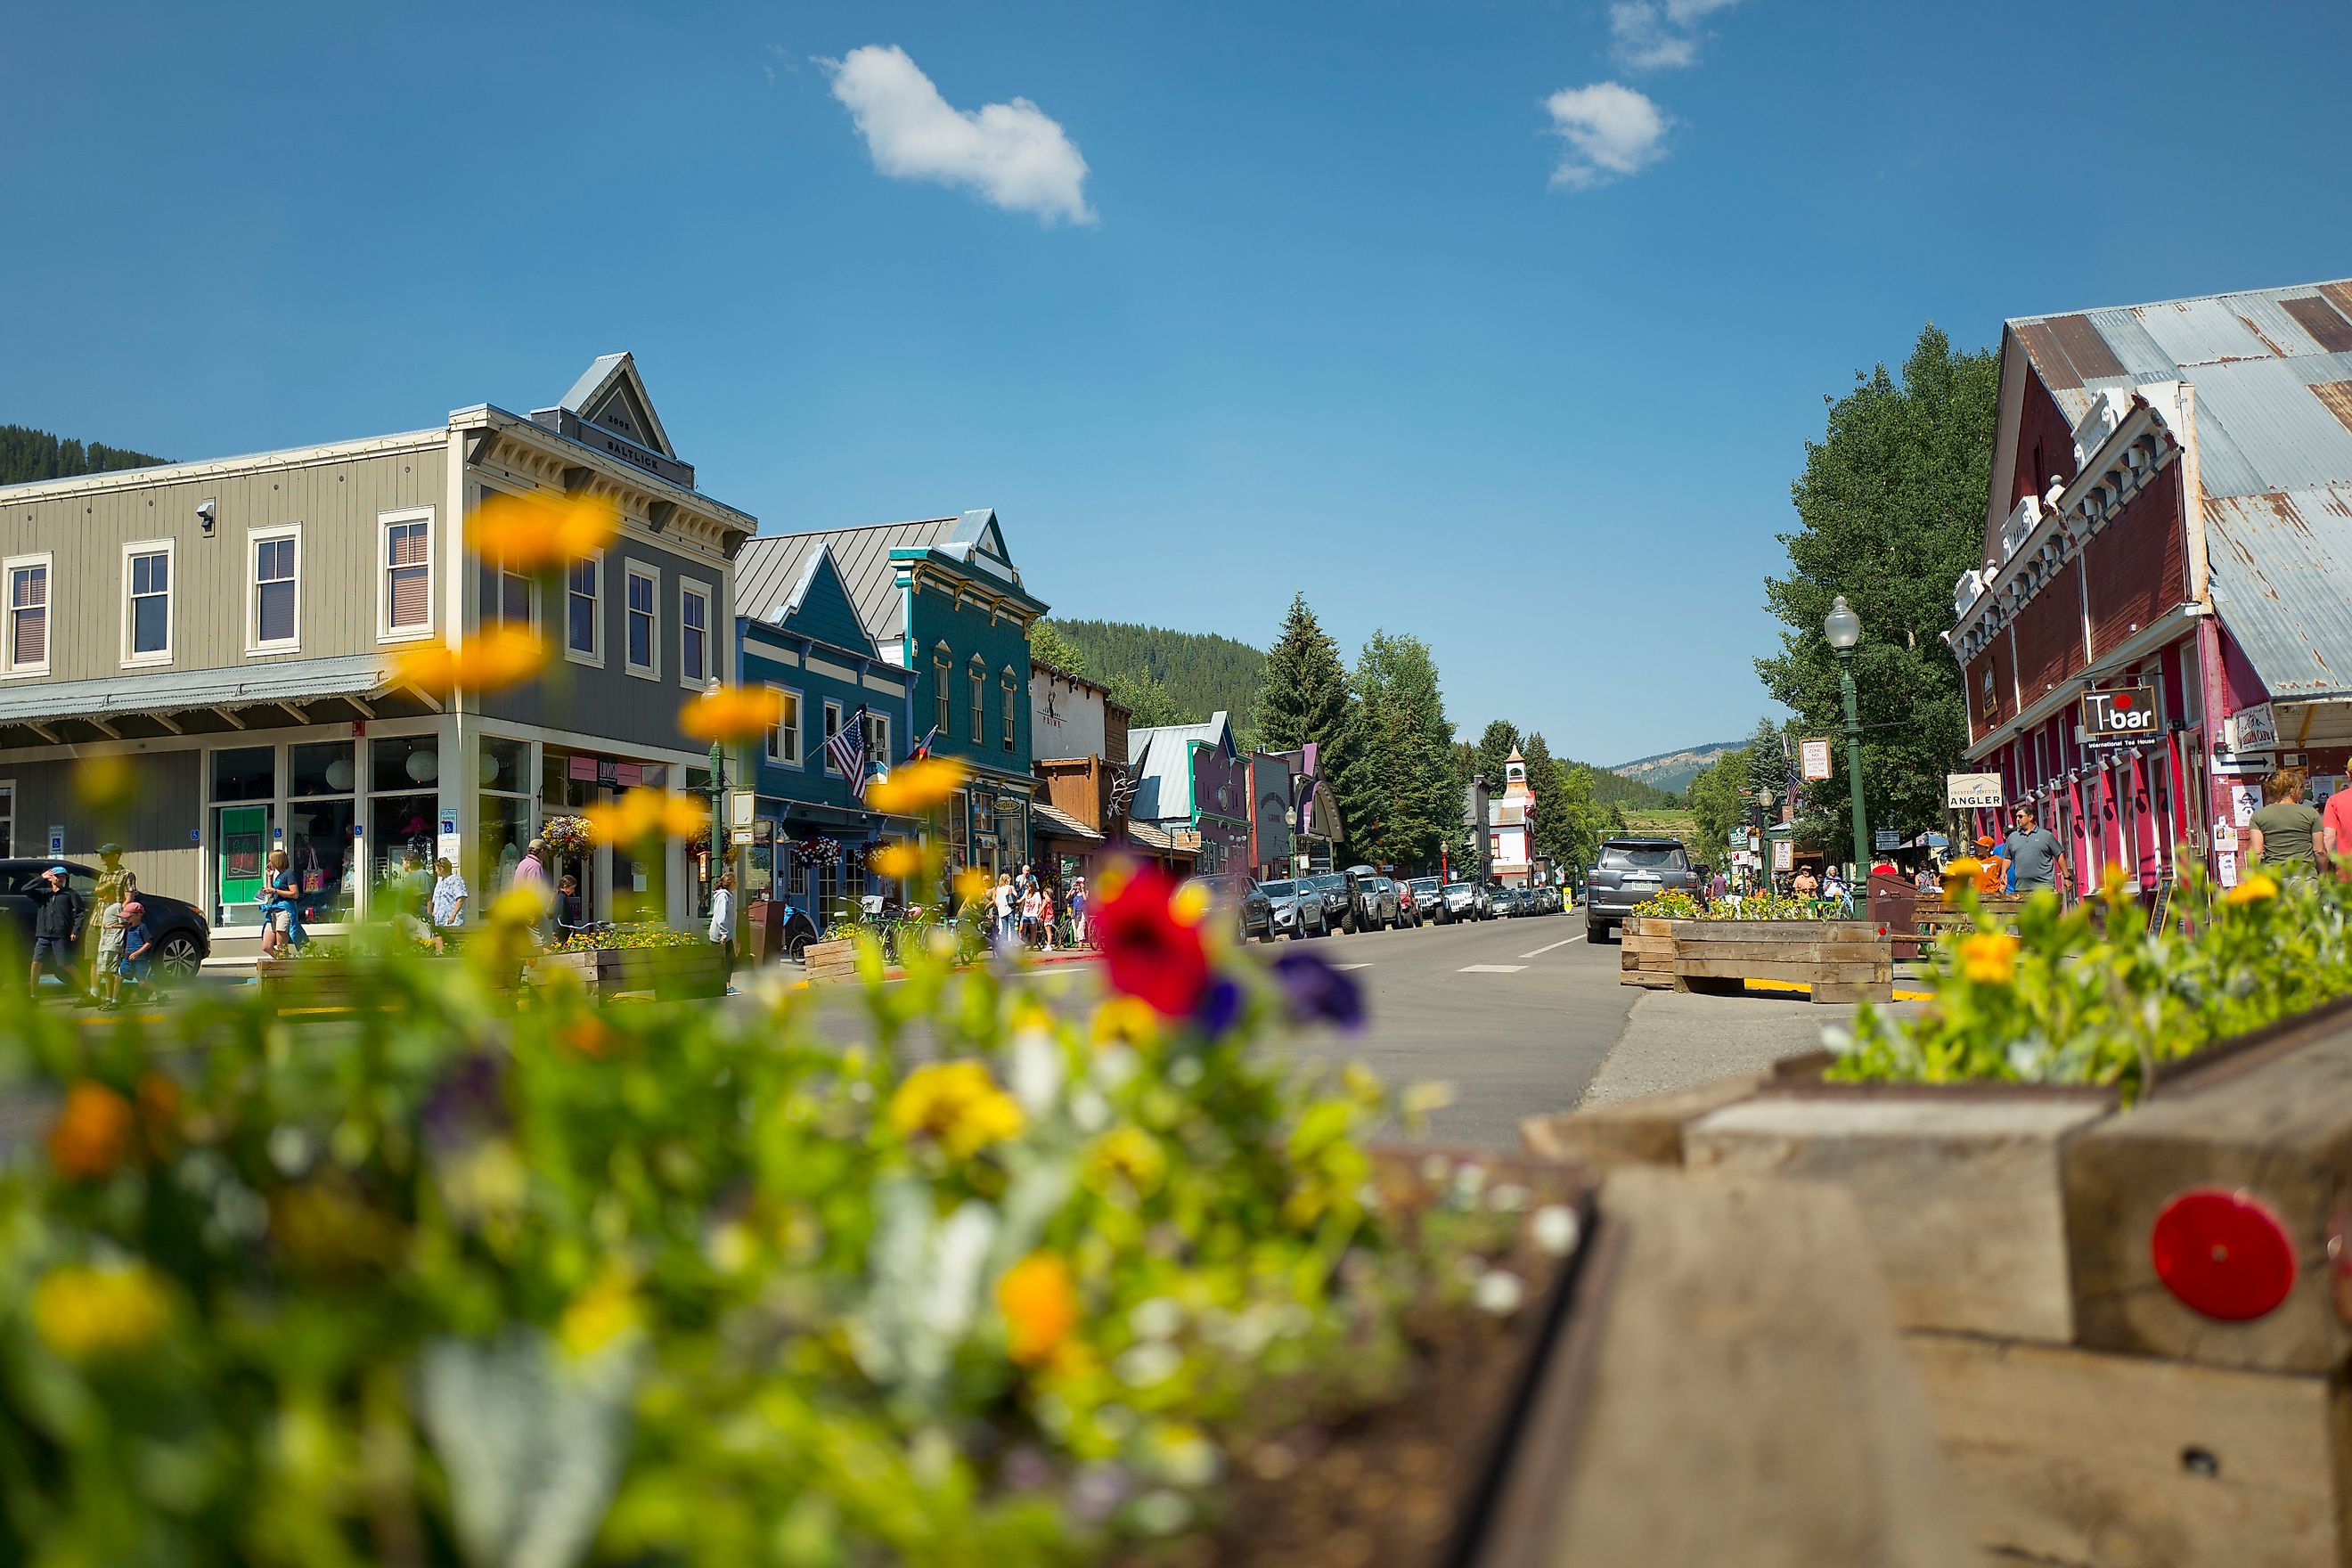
(1491, 968)
(1541, 950)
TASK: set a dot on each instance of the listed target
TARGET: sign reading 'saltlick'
(2127, 714)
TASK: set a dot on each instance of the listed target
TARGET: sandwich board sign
(1969, 792)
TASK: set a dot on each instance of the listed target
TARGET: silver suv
(1629, 872)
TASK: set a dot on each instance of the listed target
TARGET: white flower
(1157, 1319)
(1509, 1198)
(1500, 1292)
(1554, 1229)
(1152, 1362)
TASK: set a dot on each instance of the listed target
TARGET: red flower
(1152, 955)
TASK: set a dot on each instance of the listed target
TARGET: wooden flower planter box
(1839, 961)
(671, 974)
(830, 960)
(333, 983)
(2092, 1416)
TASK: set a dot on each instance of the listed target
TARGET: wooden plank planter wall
(670, 973)
(2094, 1417)
(1839, 961)
(830, 960)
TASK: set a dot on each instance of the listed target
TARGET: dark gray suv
(1630, 870)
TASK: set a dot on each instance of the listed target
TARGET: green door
(244, 841)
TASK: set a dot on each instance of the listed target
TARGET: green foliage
(1567, 828)
(1146, 701)
(1200, 672)
(26, 455)
(1891, 510)
(1615, 789)
(2086, 995)
(1720, 800)
(1397, 794)
(1049, 644)
(1496, 744)
(1305, 694)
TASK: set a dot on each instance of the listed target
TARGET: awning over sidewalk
(1054, 823)
(153, 702)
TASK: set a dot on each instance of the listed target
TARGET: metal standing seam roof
(173, 692)
(770, 565)
(2272, 373)
(1163, 775)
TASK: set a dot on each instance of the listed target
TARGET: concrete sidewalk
(1678, 1039)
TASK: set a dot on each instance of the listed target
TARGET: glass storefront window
(402, 763)
(396, 824)
(506, 765)
(246, 773)
(321, 769)
(502, 830)
(241, 836)
(318, 842)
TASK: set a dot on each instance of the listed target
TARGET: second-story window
(979, 705)
(583, 622)
(28, 615)
(1011, 727)
(785, 740)
(941, 717)
(693, 634)
(512, 593)
(276, 590)
(644, 620)
(147, 604)
(407, 586)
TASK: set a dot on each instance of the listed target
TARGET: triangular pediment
(819, 606)
(612, 396)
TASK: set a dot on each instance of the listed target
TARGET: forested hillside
(1200, 672)
(26, 455)
(1615, 789)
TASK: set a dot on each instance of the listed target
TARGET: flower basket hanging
(817, 850)
(566, 834)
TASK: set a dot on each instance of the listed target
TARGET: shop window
(318, 816)
(242, 792)
(147, 603)
(28, 615)
(503, 819)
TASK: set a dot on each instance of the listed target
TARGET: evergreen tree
(1720, 800)
(27, 454)
(1397, 789)
(1146, 701)
(1049, 644)
(1574, 831)
(1495, 749)
(1306, 693)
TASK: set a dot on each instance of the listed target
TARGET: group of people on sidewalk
(1025, 909)
(122, 949)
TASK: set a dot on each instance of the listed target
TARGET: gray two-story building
(201, 658)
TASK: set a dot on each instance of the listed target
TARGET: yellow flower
(1989, 958)
(956, 1103)
(734, 713)
(104, 783)
(598, 1315)
(499, 657)
(1040, 1303)
(643, 814)
(92, 1132)
(2256, 888)
(84, 1313)
(534, 533)
(1128, 1154)
(1126, 1018)
(896, 860)
(916, 786)
(1190, 906)
(971, 885)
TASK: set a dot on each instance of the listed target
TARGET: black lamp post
(1843, 630)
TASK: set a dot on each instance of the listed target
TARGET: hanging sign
(1885, 839)
(2253, 729)
(1784, 854)
(2126, 713)
(1973, 792)
(1814, 757)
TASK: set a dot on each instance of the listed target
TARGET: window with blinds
(408, 575)
(275, 588)
(151, 603)
(28, 615)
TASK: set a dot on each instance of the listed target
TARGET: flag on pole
(923, 747)
(846, 746)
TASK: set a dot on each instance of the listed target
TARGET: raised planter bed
(1838, 961)
(2096, 1417)
(330, 982)
(828, 961)
(670, 973)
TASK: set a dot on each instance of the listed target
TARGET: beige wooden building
(228, 629)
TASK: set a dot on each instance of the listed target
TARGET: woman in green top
(2284, 829)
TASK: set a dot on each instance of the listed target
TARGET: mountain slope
(1674, 770)
(27, 454)
(1201, 671)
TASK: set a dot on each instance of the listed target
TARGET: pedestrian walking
(567, 901)
(1030, 903)
(2036, 858)
(108, 893)
(1003, 901)
(57, 928)
(530, 876)
(1079, 933)
(138, 949)
(2336, 830)
(1045, 917)
(448, 896)
(1992, 868)
(722, 922)
(2285, 832)
(111, 925)
(280, 900)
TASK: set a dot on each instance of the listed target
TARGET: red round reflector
(2222, 1253)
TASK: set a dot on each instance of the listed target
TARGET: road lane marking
(1541, 950)
(1366, 964)
(1490, 968)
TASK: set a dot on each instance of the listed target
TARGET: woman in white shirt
(722, 919)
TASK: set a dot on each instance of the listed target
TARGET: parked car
(1429, 898)
(1331, 887)
(182, 938)
(1508, 901)
(1460, 901)
(1408, 906)
(1628, 871)
(1371, 899)
(1256, 913)
(1295, 907)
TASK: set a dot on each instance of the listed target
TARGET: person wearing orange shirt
(1992, 870)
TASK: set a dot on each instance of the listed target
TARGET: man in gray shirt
(2035, 858)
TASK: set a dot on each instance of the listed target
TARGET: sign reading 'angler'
(2125, 714)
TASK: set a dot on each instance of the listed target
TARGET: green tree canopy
(1890, 512)
(1048, 644)
(1397, 791)
(1147, 703)
(1496, 744)
(27, 454)
(1720, 800)
(1305, 694)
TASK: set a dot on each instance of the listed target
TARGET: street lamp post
(1843, 630)
(718, 806)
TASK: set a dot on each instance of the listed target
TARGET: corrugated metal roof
(2281, 567)
(771, 566)
(2273, 437)
(171, 691)
(1163, 775)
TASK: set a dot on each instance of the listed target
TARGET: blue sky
(1322, 309)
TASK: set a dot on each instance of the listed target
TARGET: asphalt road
(1518, 1016)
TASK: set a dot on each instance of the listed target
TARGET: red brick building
(2170, 507)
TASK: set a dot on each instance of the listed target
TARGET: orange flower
(643, 814)
(2259, 887)
(92, 1132)
(499, 657)
(896, 860)
(734, 713)
(591, 1036)
(1989, 958)
(1040, 1303)
(917, 786)
(536, 533)
(159, 1111)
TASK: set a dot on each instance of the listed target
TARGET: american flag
(846, 746)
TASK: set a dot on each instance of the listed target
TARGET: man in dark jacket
(57, 928)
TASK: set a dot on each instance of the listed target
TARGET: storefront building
(943, 600)
(1193, 786)
(201, 658)
(812, 831)
(2164, 614)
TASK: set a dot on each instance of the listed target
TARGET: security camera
(207, 514)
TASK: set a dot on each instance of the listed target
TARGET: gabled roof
(2272, 427)
(771, 564)
(612, 395)
(820, 584)
(1164, 758)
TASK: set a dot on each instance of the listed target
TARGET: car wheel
(178, 956)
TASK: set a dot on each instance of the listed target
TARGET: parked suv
(1256, 911)
(183, 939)
(1429, 900)
(1628, 871)
(1331, 887)
(1297, 908)
(1460, 901)
(1371, 899)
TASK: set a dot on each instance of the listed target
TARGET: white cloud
(1611, 132)
(1655, 34)
(1012, 154)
